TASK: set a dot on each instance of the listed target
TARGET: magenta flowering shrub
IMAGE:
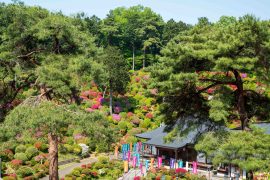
(116, 117)
(117, 109)
(244, 75)
(134, 109)
(93, 97)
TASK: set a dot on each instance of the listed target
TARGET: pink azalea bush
(116, 117)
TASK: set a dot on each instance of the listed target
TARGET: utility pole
(0, 168)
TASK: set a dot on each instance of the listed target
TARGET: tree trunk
(111, 98)
(53, 156)
(104, 92)
(133, 58)
(144, 54)
(241, 101)
(74, 96)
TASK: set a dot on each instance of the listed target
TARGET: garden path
(68, 169)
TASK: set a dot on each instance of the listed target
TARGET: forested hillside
(62, 76)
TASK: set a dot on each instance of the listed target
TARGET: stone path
(131, 174)
(67, 170)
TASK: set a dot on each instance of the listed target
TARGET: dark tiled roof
(156, 137)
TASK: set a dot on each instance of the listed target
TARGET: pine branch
(29, 54)
(215, 83)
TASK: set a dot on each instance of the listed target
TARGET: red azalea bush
(16, 162)
(137, 79)
(180, 170)
(137, 178)
(6, 155)
(94, 173)
(129, 114)
(89, 166)
(38, 145)
(149, 115)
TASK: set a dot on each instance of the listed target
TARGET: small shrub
(31, 152)
(20, 149)
(98, 165)
(21, 156)
(6, 155)
(16, 163)
(38, 145)
(39, 175)
(167, 177)
(77, 149)
(24, 171)
(94, 173)
(86, 171)
(146, 123)
(76, 173)
(9, 178)
(102, 146)
(103, 159)
(69, 148)
(29, 178)
(40, 168)
(46, 163)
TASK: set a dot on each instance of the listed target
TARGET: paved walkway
(131, 174)
(67, 170)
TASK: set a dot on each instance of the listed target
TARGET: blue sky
(185, 10)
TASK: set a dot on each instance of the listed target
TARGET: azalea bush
(102, 169)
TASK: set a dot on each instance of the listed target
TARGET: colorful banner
(128, 156)
(141, 168)
(159, 162)
(152, 163)
(125, 166)
(180, 164)
(146, 165)
(138, 159)
(194, 167)
(186, 165)
(134, 161)
(172, 163)
(135, 147)
(130, 145)
(116, 151)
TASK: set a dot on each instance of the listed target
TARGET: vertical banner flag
(134, 147)
(125, 166)
(128, 156)
(134, 161)
(141, 168)
(159, 162)
(130, 145)
(152, 163)
(194, 169)
(180, 164)
(186, 165)
(146, 165)
(138, 159)
(116, 152)
(172, 162)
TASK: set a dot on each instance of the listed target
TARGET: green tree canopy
(46, 116)
(212, 70)
(247, 150)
